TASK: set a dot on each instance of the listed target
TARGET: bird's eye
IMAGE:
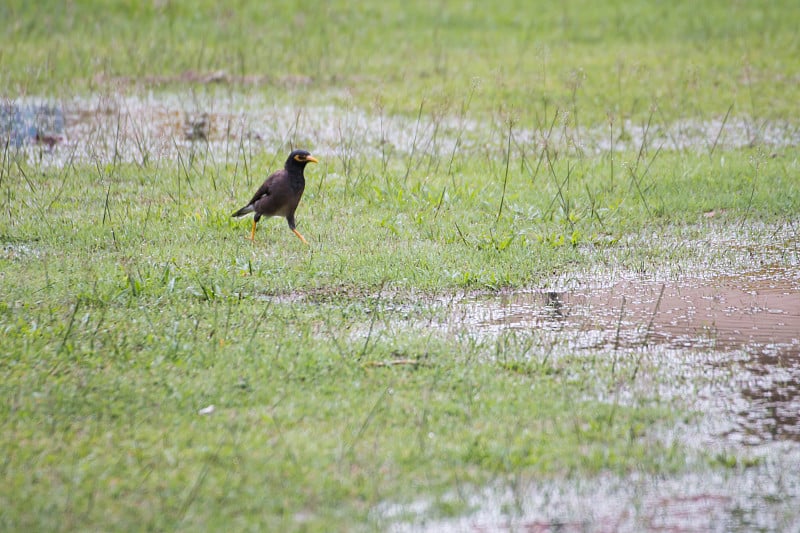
(299, 158)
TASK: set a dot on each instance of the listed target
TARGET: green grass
(130, 300)
(106, 430)
(589, 58)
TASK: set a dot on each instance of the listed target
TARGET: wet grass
(307, 429)
(130, 301)
(134, 301)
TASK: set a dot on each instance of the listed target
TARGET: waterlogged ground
(719, 338)
(225, 127)
(593, 203)
(727, 347)
(751, 319)
(721, 341)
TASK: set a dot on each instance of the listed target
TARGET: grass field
(465, 150)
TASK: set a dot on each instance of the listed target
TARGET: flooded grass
(222, 127)
(756, 499)
(536, 350)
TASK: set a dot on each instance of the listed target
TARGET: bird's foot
(300, 236)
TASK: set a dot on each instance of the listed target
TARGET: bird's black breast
(297, 182)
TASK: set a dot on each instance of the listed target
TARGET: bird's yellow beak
(311, 159)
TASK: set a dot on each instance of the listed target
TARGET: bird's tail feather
(243, 211)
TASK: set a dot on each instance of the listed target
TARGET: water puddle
(227, 126)
(758, 312)
(747, 324)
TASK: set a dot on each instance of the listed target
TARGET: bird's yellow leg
(253, 232)
(301, 237)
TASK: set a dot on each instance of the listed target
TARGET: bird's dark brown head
(299, 159)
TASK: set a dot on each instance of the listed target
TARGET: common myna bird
(279, 195)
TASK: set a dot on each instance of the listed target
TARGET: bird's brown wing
(266, 187)
(277, 198)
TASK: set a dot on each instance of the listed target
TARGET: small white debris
(206, 410)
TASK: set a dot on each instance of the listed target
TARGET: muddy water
(760, 313)
(752, 318)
